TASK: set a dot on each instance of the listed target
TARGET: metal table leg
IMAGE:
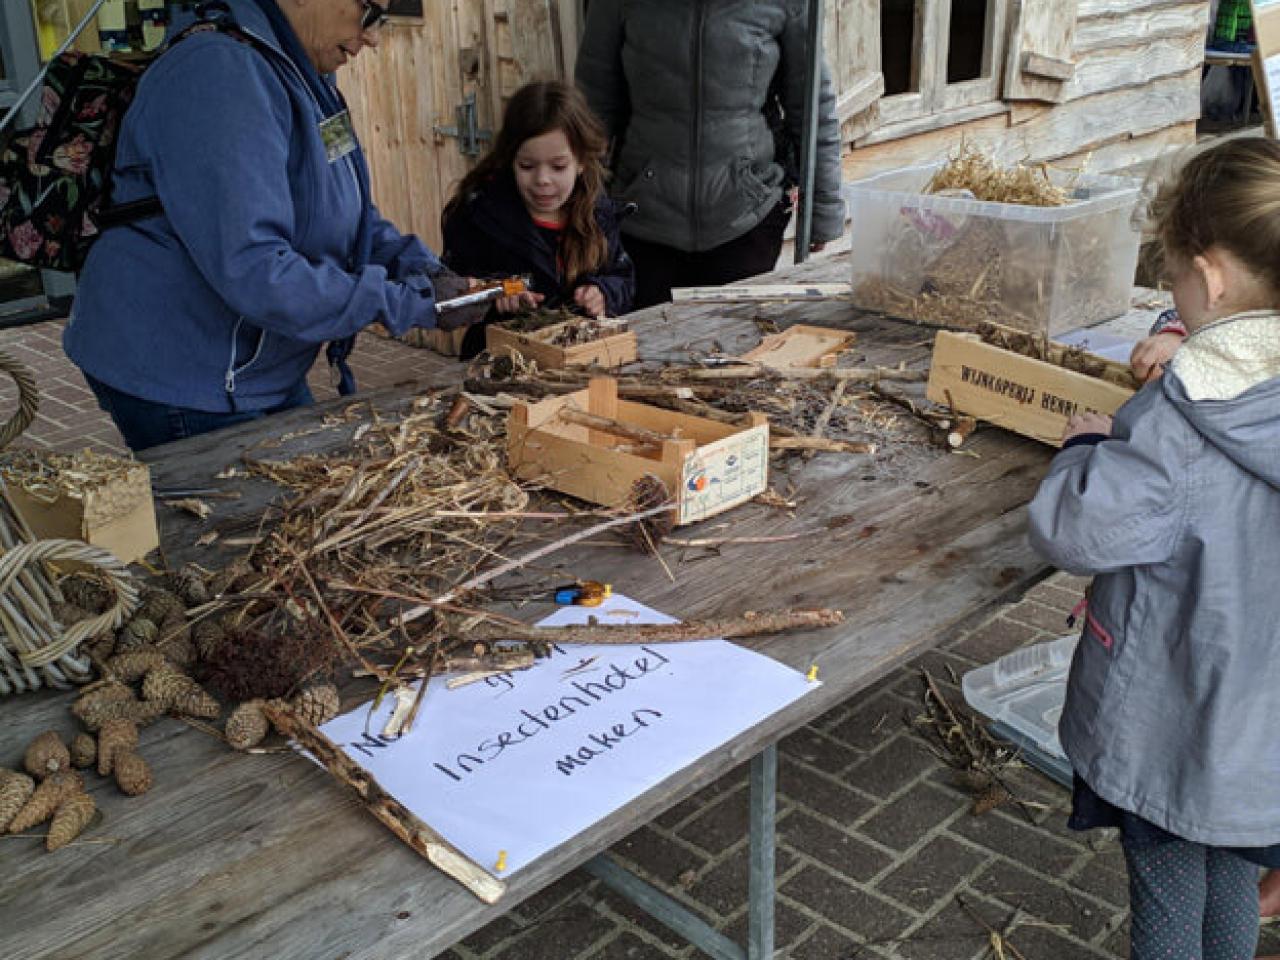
(764, 802)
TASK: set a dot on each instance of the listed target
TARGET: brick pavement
(878, 853)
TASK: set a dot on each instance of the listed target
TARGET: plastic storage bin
(1022, 693)
(956, 261)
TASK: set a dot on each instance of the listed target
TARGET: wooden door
(427, 101)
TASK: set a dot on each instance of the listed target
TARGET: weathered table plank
(234, 856)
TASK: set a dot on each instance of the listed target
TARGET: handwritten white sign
(517, 765)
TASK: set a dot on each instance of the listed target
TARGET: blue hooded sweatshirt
(222, 302)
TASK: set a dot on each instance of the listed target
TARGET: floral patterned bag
(55, 176)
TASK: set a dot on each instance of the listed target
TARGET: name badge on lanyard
(338, 136)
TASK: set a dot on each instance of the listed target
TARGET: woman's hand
(590, 298)
(1083, 423)
(518, 302)
(1152, 353)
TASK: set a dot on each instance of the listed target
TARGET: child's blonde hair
(1227, 196)
(544, 107)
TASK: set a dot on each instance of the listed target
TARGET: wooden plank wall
(1135, 93)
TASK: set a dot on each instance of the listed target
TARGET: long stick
(413, 613)
(747, 625)
(393, 814)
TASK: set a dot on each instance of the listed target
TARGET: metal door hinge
(467, 129)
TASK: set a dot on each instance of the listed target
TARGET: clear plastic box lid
(1025, 691)
(1093, 194)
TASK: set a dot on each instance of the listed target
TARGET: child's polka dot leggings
(1190, 902)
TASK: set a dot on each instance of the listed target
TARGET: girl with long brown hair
(535, 204)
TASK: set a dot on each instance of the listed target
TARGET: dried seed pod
(72, 816)
(208, 636)
(132, 709)
(101, 647)
(178, 692)
(84, 750)
(15, 791)
(40, 806)
(989, 799)
(117, 736)
(317, 704)
(247, 726)
(190, 585)
(133, 776)
(134, 665)
(46, 755)
(160, 606)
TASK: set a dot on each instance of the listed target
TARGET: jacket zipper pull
(230, 382)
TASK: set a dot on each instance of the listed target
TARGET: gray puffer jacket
(681, 86)
(1173, 702)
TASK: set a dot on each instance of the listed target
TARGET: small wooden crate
(801, 345)
(1018, 393)
(119, 516)
(707, 466)
(611, 351)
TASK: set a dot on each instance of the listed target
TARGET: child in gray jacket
(1174, 694)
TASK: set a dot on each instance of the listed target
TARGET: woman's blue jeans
(144, 423)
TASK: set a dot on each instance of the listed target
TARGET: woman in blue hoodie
(212, 312)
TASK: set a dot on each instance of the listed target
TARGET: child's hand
(518, 302)
(590, 298)
(1090, 422)
(1152, 353)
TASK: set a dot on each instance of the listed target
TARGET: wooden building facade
(1107, 83)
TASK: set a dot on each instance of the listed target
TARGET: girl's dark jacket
(490, 234)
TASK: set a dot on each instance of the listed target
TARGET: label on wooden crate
(724, 474)
(1027, 396)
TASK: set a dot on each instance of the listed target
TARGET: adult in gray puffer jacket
(685, 89)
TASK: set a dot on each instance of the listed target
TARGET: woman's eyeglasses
(375, 15)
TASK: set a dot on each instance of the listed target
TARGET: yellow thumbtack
(501, 865)
(812, 675)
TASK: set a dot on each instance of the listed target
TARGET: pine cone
(46, 755)
(317, 704)
(990, 799)
(225, 579)
(178, 648)
(133, 776)
(160, 606)
(178, 692)
(132, 709)
(190, 585)
(84, 750)
(133, 666)
(15, 791)
(72, 816)
(208, 636)
(117, 736)
(139, 633)
(68, 613)
(101, 647)
(86, 593)
(45, 800)
(247, 726)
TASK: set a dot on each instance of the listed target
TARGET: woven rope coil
(35, 648)
(28, 399)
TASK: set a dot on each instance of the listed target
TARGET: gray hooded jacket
(1173, 702)
(681, 86)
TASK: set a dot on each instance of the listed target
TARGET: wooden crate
(611, 351)
(801, 345)
(707, 466)
(1018, 393)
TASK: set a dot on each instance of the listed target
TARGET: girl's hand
(1152, 353)
(1090, 422)
(590, 298)
(518, 302)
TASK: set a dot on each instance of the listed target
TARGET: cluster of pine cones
(144, 675)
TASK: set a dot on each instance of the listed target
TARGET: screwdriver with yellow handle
(502, 288)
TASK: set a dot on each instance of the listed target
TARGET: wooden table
(235, 856)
